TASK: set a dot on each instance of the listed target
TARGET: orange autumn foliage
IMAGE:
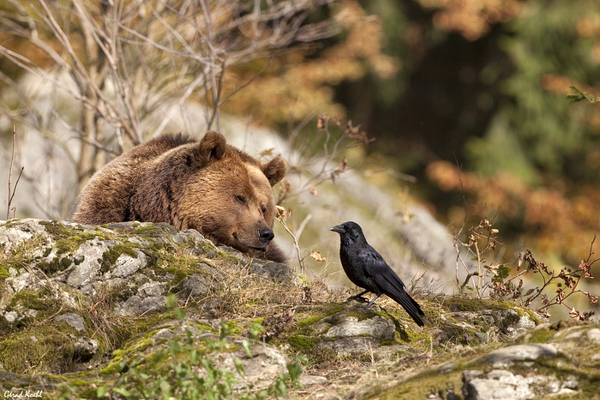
(552, 218)
(471, 18)
(296, 85)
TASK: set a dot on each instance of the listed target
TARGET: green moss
(532, 315)
(22, 253)
(129, 349)
(56, 229)
(179, 273)
(231, 328)
(145, 230)
(120, 291)
(40, 299)
(419, 339)
(55, 265)
(313, 319)
(329, 309)
(77, 382)
(40, 349)
(12, 223)
(301, 343)
(69, 239)
(361, 314)
(458, 303)
(8, 385)
(130, 344)
(163, 248)
(109, 257)
(424, 385)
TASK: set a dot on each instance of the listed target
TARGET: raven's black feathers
(365, 267)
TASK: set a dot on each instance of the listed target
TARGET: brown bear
(210, 186)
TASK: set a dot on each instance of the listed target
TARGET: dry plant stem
(215, 92)
(456, 240)
(296, 245)
(459, 258)
(11, 195)
(516, 276)
(12, 159)
(591, 253)
(469, 276)
(479, 274)
(570, 279)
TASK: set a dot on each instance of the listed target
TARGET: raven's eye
(241, 199)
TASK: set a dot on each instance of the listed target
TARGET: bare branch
(125, 63)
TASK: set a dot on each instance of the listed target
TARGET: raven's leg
(371, 302)
(357, 297)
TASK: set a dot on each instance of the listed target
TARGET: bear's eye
(264, 210)
(241, 199)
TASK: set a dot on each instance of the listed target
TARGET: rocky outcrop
(84, 309)
(67, 289)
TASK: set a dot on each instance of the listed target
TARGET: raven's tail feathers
(410, 305)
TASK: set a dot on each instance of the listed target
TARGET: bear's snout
(266, 235)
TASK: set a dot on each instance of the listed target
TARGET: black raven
(365, 267)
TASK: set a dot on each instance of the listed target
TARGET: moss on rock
(43, 348)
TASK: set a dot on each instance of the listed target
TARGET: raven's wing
(388, 282)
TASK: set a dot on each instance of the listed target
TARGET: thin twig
(295, 240)
(11, 195)
(469, 276)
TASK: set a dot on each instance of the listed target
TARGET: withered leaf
(317, 256)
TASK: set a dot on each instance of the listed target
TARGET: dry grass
(244, 294)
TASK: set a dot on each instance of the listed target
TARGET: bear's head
(229, 198)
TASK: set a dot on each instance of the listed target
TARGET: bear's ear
(274, 170)
(211, 148)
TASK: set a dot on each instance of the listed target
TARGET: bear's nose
(266, 235)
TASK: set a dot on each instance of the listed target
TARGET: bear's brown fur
(209, 186)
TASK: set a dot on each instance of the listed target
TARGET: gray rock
(6, 294)
(137, 305)
(127, 265)
(152, 289)
(448, 367)
(85, 349)
(193, 286)
(351, 346)
(74, 320)
(521, 352)
(11, 316)
(22, 281)
(523, 325)
(259, 370)
(376, 327)
(497, 385)
(500, 384)
(279, 272)
(19, 231)
(594, 335)
(308, 380)
(89, 268)
(163, 334)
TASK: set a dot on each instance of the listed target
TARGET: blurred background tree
(470, 98)
(467, 96)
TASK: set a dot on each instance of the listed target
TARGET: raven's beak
(338, 229)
